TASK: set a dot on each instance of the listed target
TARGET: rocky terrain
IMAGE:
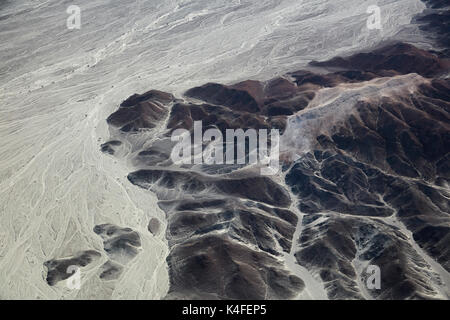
(363, 119)
(365, 181)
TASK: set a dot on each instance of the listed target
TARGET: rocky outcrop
(141, 111)
(63, 268)
(398, 58)
(121, 246)
(365, 160)
(435, 22)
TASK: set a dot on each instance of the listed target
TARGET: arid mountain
(336, 166)
(365, 154)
